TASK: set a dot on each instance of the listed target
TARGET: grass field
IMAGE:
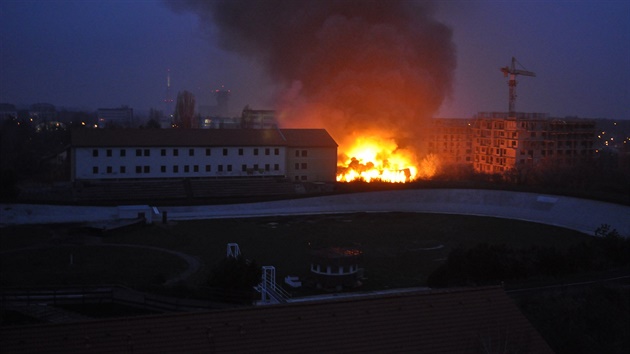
(400, 249)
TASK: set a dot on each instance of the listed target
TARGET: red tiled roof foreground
(478, 320)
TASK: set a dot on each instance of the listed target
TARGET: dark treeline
(487, 264)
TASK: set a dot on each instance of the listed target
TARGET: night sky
(94, 54)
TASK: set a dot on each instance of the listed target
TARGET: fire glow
(375, 159)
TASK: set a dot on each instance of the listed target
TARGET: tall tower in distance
(167, 118)
(222, 96)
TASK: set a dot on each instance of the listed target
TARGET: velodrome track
(578, 214)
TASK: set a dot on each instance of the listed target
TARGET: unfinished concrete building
(501, 143)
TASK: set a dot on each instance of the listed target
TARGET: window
(276, 167)
(123, 169)
(304, 153)
(297, 166)
(240, 152)
(147, 152)
(244, 168)
(276, 151)
(95, 153)
(266, 167)
(297, 153)
(220, 168)
(175, 169)
(95, 169)
(297, 178)
(109, 152)
(303, 178)
(208, 168)
(147, 169)
(163, 169)
(109, 169)
(255, 167)
(196, 168)
(267, 151)
(138, 169)
(229, 168)
(123, 152)
(225, 152)
(175, 152)
(191, 152)
(163, 152)
(138, 152)
(255, 152)
(207, 152)
(303, 166)
(186, 169)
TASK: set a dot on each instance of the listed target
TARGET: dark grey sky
(93, 54)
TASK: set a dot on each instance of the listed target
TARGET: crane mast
(512, 71)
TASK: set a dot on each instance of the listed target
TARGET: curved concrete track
(572, 213)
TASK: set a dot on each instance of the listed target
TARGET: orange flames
(378, 159)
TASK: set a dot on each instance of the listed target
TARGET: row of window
(186, 168)
(191, 152)
(316, 268)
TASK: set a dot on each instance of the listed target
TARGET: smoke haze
(352, 67)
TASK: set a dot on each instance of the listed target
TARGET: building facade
(451, 140)
(501, 143)
(120, 117)
(104, 154)
(495, 143)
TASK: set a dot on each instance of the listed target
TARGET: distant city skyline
(103, 54)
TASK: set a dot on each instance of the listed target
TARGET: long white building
(305, 155)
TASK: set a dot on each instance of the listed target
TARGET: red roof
(456, 321)
(308, 137)
(200, 137)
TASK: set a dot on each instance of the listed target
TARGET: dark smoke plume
(349, 66)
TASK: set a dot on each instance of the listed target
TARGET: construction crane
(512, 71)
